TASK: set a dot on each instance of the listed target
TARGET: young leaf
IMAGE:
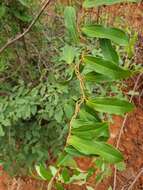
(114, 34)
(109, 51)
(110, 105)
(89, 147)
(68, 54)
(121, 166)
(70, 23)
(95, 3)
(53, 170)
(43, 172)
(106, 68)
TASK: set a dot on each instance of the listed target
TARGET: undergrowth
(60, 85)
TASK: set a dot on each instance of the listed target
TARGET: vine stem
(80, 102)
(21, 35)
(77, 109)
(122, 129)
(50, 185)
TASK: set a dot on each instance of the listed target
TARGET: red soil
(131, 143)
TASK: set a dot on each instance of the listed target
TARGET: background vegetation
(57, 83)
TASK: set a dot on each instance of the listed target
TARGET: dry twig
(136, 178)
(19, 36)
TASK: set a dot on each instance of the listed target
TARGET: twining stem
(77, 109)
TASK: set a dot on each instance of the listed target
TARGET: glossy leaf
(110, 105)
(95, 3)
(89, 147)
(106, 68)
(70, 22)
(114, 34)
(109, 51)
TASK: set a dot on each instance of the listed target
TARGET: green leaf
(1, 131)
(53, 170)
(109, 51)
(73, 152)
(59, 186)
(70, 23)
(110, 105)
(131, 47)
(59, 115)
(89, 147)
(92, 131)
(95, 3)
(2, 11)
(65, 175)
(88, 114)
(106, 68)
(22, 16)
(99, 177)
(66, 160)
(121, 166)
(68, 54)
(25, 3)
(69, 110)
(97, 78)
(80, 122)
(43, 172)
(114, 34)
